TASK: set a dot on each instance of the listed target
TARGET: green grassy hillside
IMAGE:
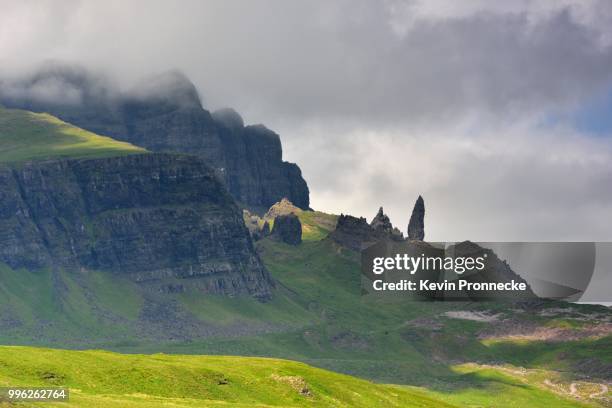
(316, 225)
(34, 136)
(105, 379)
(318, 316)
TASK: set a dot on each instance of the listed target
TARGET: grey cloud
(361, 70)
(294, 61)
(521, 185)
(49, 90)
(57, 82)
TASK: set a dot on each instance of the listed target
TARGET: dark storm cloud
(326, 59)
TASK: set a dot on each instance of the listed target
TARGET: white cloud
(522, 184)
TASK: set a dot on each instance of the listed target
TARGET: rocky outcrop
(283, 207)
(353, 233)
(259, 227)
(416, 225)
(163, 220)
(496, 270)
(165, 114)
(356, 234)
(287, 229)
(381, 223)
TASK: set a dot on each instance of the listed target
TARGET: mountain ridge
(165, 114)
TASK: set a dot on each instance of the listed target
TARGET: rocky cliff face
(165, 115)
(163, 220)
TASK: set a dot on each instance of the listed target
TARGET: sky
(497, 113)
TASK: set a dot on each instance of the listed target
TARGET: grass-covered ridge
(105, 379)
(27, 136)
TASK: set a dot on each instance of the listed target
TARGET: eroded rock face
(381, 222)
(163, 220)
(287, 229)
(416, 225)
(164, 114)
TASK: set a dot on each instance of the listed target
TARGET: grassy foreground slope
(411, 343)
(105, 379)
(36, 136)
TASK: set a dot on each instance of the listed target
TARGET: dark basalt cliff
(165, 115)
(163, 220)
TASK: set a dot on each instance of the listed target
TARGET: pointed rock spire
(381, 222)
(416, 226)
